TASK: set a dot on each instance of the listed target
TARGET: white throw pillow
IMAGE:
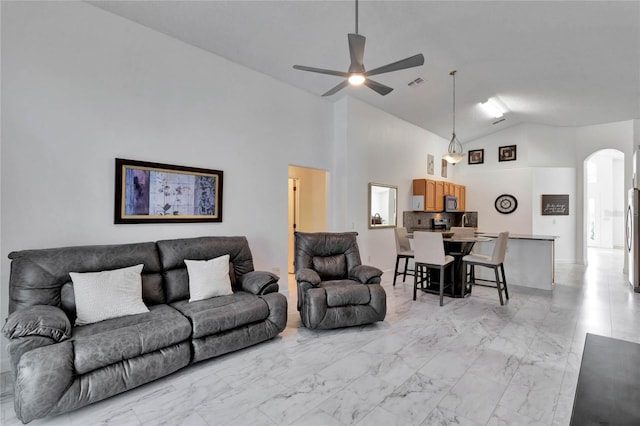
(208, 278)
(108, 294)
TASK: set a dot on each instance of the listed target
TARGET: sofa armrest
(40, 320)
(259, 282)
(365, 274)
(308, 275)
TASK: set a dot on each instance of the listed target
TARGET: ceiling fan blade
(321, 71)
(412, 61)
(356, 50)
(378, 87)
(337, 88)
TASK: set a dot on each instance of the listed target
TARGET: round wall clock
(506, 203)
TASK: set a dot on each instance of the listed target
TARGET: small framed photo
(444, 168)
(430, 164)
(476, 156)
(507, 153)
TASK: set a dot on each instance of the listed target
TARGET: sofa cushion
(222, 313)
(331, 267)
(174, 252)
(38, 275)
(345, 293)
(107, 342)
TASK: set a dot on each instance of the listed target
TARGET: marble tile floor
(470, 362)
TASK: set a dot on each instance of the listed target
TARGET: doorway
(307, 204)
(605, 200)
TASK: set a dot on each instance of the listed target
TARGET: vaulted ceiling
(561, 63)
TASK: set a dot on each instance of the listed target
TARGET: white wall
(378, 147)
(546, 147)
(82, 86)
(555, 180)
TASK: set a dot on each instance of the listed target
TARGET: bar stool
(495, 262)
(428, 249)
(460, 231)
(403, 251)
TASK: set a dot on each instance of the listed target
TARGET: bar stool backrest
(428, 248)
(500, 249)
(460, 231)
(402, 240)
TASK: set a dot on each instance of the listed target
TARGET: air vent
(499, 121)
(416, 82)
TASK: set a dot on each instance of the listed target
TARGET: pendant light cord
(453, 73)
(356, 16)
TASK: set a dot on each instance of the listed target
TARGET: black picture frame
(148, 192)
(555, 205)
(476, 156)
(507, 153)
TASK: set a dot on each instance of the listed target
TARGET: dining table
(457, 247)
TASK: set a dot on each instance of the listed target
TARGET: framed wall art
(507, 153)
(555, 205)
(430, 164)
(476, 156)
(443, 169)
(164, 193)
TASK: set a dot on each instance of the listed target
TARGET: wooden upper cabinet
(428, 195)
(447, 188)
(462, 199)
(439, 196)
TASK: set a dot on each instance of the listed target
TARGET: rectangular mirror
(382, 206)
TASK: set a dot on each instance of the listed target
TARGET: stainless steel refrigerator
(632, 237)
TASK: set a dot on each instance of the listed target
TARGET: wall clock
(506, 203)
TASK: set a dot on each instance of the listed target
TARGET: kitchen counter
(529, 261)
(520, 236)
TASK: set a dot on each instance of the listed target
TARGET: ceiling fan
(357, 74)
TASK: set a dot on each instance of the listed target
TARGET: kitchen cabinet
(424, 194)
(428, 194)
(439, 196)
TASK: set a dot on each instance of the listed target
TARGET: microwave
(450, 203)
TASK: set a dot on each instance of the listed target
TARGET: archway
(604, 201)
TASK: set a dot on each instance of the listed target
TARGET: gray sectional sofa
(60, 367)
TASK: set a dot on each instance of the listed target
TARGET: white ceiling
(561, 63)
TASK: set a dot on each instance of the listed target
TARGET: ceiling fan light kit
(357, 74)
(455, 152)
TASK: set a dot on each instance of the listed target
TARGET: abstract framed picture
(430, 164)
(164, 193)
(507, 153)
(476, 156)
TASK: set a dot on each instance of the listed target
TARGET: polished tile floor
(471, 362)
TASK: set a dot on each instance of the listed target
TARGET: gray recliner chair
(334, 288)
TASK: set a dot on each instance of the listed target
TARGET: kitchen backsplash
(414, 220)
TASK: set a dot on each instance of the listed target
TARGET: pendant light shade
(454, 153)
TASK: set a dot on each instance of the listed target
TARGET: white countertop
(520, 236)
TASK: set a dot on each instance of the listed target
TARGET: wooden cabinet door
(456, 191)
(439, 202)
(447, 188)
(430, 196)
(420, 190)
(462, 199)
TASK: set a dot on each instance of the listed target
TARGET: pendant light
(454, 154)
